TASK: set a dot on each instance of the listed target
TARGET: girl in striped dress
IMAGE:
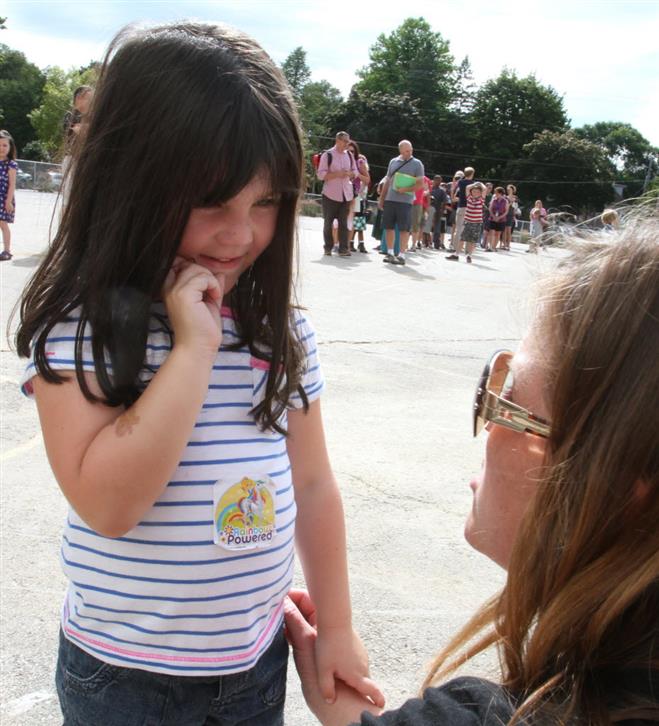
(178, 388)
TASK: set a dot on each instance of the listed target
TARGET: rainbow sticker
(244, 513)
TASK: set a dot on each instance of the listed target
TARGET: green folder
(403, 180)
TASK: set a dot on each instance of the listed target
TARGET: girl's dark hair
(355, 146)
(12, 145)
(183, 116)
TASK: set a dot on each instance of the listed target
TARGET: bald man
(404, 176)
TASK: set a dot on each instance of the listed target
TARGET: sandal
(4, 255)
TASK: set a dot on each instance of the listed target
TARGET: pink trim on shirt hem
(227, 312)
(177, 658)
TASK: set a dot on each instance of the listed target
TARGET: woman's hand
(193, 297)
(9, 205)
(348, 702)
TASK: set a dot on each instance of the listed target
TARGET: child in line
(473, 222)
(610, 220)
(498, 212)
(538, 219)
(8, 168)
(177, 388)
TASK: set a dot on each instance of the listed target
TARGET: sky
(601, 56)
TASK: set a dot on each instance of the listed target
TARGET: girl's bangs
(250, 141)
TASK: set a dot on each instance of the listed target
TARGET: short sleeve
(60, 351)
(13, 165)
(420, 170)
(461, 702)
(312, 377)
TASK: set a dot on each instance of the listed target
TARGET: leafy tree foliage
(564, 170)
(319, 104)
(21, 88)
(464, 94)
(381, 119)
(35, 151)
(627, 149)
(413, 60)
(47, 118)
(3, 23)
(508, 112)
(297, 71)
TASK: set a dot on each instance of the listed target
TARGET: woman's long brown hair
(577, 623)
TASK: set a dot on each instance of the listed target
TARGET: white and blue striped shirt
(164, 597)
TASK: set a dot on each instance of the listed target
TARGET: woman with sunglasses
(567, 501)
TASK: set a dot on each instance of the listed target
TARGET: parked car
(55, 179)
(23, 179)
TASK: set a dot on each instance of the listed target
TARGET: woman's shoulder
(461, 702)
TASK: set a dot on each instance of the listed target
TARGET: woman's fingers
(370, 689)
(299, 631)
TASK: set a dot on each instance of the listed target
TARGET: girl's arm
(111, 463)
(320, 539)
(363, 173)
(9, 202)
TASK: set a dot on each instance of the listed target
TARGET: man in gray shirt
(404, 177)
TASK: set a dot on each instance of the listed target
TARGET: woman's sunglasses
(490, 404)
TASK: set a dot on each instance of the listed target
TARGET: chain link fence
(38, 175)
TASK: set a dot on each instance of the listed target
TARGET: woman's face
(506, 482)
(4, 148)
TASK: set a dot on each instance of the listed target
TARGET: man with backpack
(336, 169)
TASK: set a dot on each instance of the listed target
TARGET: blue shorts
(397, 214)
(95, 693)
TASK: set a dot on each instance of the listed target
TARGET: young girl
(357, 216)
(538, 218)
(499, 208)
(178, 395)
(8, 167)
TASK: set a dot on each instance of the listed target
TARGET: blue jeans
(94, 693)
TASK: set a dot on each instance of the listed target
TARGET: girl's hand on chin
(193, 297)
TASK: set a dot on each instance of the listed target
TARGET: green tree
(320, 103)
(297, 71)
(508, 111)
(464, 95)
(3, 22)
(382, 120)
(562, 169)
(627, 149)
(415, 61)
(57, 98)
(21, 88)
(47, 117)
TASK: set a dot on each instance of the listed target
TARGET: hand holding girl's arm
(111, 463)
(320, 535)
(300, 617)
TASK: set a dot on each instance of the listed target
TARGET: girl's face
(506, 483)
(226, 239)
(4, 148)
(538, 204)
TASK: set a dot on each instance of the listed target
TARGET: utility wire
(462, 154)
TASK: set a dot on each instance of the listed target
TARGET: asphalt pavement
(401, 349)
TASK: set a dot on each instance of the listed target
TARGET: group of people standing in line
(411, 206)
